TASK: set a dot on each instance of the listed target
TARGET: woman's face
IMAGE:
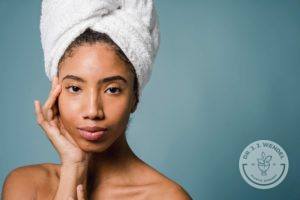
(97, 90)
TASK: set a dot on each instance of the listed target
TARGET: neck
(112, 164)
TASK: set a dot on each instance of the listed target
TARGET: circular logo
(263, 164)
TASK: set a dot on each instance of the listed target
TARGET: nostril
(94, 114)
(92, 117)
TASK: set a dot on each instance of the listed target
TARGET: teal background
(227, 74)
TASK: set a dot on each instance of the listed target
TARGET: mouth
(92, 133)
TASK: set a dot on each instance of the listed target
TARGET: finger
(38, 111)
(54, 122)
(53, 92)
(41, 118)
(55, 109)
(52, 133)
(80, 193)
(54, 82)
(53, 113)
(52, 98)
(49, 115)
(49, 104)
(53, 85)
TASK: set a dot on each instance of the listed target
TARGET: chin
(92, 147)
(96, 147)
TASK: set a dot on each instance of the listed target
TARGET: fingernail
(79, 187)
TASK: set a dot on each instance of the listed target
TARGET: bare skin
(104, 169)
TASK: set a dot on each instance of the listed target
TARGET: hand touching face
(49, 120)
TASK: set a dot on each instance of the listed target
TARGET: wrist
(71, 175)
(76, 162)
(76, 171)
(82, 164)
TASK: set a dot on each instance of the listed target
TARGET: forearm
(71, 175)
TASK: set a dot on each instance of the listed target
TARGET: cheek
(68, 109)
(117, 111)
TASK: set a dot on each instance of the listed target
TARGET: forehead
(94, 61)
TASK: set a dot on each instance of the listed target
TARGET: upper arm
(19, 184)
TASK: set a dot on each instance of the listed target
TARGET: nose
(93, 109)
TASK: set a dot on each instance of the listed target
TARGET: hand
(80, 193)
(48, 118)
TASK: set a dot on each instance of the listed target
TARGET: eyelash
(119, 90)
(72, 86)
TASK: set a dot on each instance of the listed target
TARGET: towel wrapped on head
(131, 24)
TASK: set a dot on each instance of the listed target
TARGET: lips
(92, 133)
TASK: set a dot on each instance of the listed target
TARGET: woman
(95, 87)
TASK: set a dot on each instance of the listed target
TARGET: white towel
(132, 25)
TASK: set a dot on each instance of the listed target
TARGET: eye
(114, 90)
(73, 89)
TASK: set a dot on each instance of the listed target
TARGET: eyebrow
(104, 80)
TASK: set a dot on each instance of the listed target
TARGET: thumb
(80, 192)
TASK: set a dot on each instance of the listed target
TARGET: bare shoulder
(24, 182)
(169, 189)
(166, 188)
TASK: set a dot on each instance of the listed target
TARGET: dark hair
(90, 36)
